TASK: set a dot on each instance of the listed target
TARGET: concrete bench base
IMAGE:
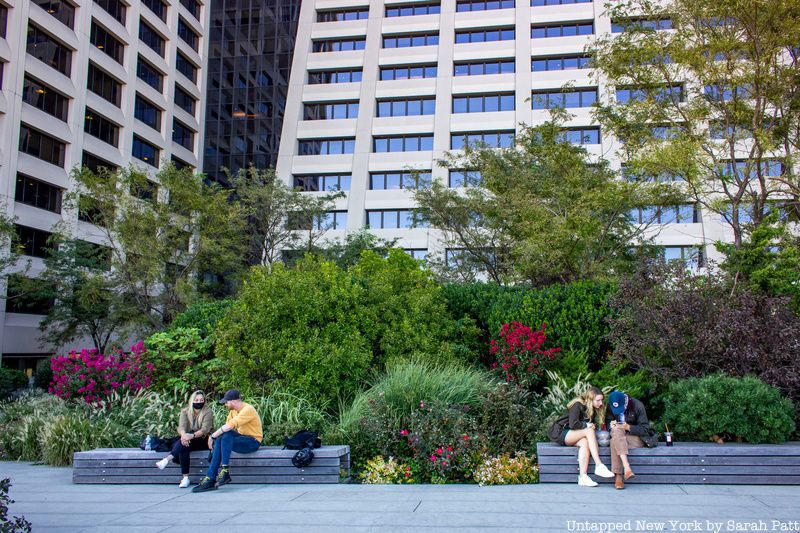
(269, 464)
(685, 462)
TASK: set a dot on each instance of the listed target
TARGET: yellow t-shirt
(246, 421)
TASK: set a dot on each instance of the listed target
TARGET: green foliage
(203, 316)
(11, 380)
(348, 251)
(319, 330)
(570, 365)
(640, 384)
(183, 360)
(10, 524)
(22, 421)
(507, 421)
(43, 374)
(741, 409)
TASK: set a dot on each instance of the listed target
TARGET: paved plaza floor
(47, 497)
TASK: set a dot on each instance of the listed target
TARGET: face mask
(198, 405)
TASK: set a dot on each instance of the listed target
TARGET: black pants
(181, 452)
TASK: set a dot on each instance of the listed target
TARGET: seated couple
(625, 416)
(241, 433)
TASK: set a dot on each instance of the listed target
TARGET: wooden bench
(685, 462)
(270, 464)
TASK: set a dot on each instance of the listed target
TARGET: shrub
(11, 380)
(203, 316)
(93, 377)
(183, 359)
(506, 419)
(520, 357)
(10, 524)
(507, 470)
(43, 374)
(741, 409)
(617, 375)
(382, 471)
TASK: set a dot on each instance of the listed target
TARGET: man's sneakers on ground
(184, 483)
(162, 464)
(224, 476)
(586, 481)
(206, 484)
(603, 471)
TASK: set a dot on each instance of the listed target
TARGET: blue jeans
(230, 441)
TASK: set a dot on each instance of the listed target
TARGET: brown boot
(619, 484)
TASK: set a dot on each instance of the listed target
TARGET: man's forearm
(224, 429)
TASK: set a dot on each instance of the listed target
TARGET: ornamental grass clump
(507, 470)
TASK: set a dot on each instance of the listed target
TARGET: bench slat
(264, 452)
(745, 460)
(683, 479)
(244, 470)
(707, 449)
(691, 469)
(263, 479)
(201, 461)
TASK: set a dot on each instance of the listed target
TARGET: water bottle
(147, 444)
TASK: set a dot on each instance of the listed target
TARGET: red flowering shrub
(92, 376)
(519, 357)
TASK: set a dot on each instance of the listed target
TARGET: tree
(347, 252)
(542, 211)
(163, 237)
(713, 102)
(280, 219)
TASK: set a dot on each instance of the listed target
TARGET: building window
(181, 134)
(193, 7)
(464, 178)
(399, 179)
(106, 42)
(327, 146)
(33, 241)
(3, 20)
(45, 98)
(720, 93)
(103, 85)
(339, 45)
(147, 112)
(479, 68)
(393, 219)
(574, 62)
(327, 221)
(42, 146)
(144, 151)
(37, 193)
(408, 72)
(20, 300)
(619, 26)
(405, 41)
(483, 103)
(180, 164)
(672, 214)
(95, 164)
(339, 15)
(485, 36)
(402, 143)
(186, 67)
(158, 7)
(60, 10)
(145, 190)
(539, 3)
(115, 8)
(420, 254)
(322, 182)
(100, 127)
(673, 93)
(488, 139)
(407, 107)
(568, 99)
(184, 100)
(151, 38)
(49, 51)
(483, 5)
(188, 35)
(737, 170)
(330, 110)
(589, 135)
(148, 74)
(413, 9)
(334, 76)
(562, 30)
(2, 68)
(691, 256)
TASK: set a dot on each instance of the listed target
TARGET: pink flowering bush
(520, 357)
(93, 377)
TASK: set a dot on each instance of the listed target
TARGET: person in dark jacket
(627, 419)
(577, 428)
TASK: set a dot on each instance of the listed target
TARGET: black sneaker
(206, 484)
(224, 476)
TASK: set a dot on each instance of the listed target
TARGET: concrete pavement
(46, 496)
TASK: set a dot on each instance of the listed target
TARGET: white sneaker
(162, 464)
(586, 481)
(184, 483)
(602, 471)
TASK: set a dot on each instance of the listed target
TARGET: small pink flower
(404, 432)
(433, 458)
(439, 451)
(422, 404)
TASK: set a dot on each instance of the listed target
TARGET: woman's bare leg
(575, 435)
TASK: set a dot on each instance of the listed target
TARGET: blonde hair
(190, 409)
(587, 399)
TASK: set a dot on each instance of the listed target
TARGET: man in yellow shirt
(241, 433)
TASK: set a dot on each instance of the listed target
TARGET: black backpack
(302, 439)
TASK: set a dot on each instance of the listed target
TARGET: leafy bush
(507, 420)
(93, 377)
(43, 374)
(10, 524)
(203, 316)
(520, 357)
(382, 471)
(11, 380)
(319, 330)
(507, 470)
(616, 375)
(183, 359)
(741, 409)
